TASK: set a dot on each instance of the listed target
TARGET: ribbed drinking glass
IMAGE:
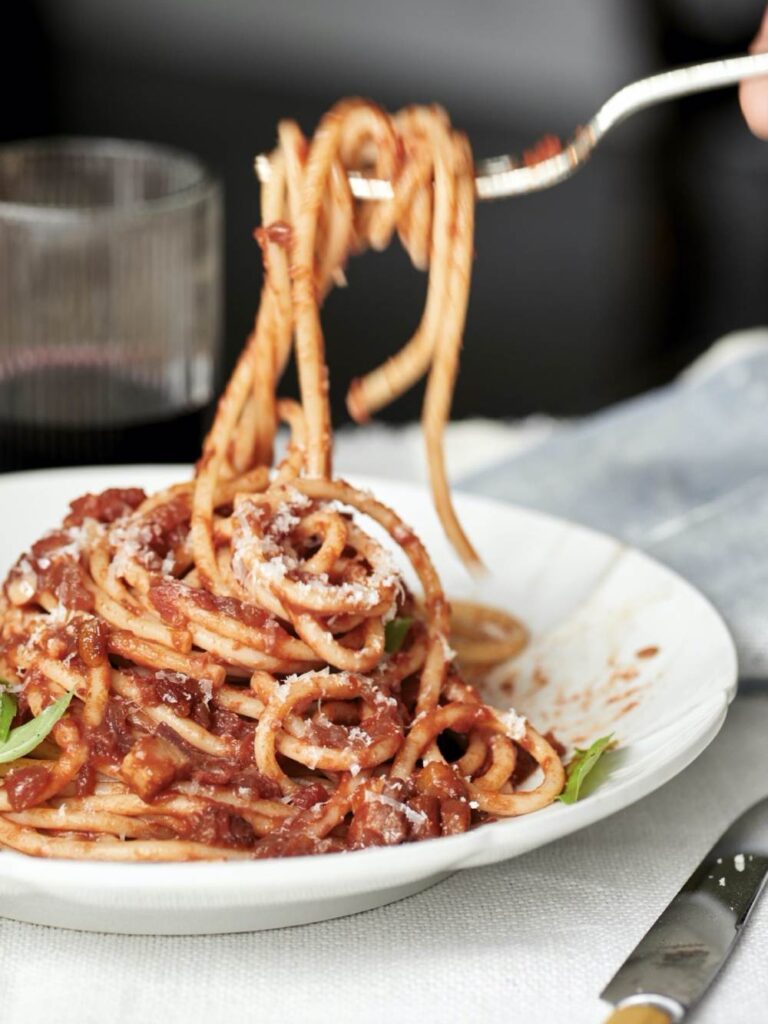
(110, 302)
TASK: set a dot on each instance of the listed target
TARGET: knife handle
(639, 1015)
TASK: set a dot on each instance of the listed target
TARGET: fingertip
(753, 97)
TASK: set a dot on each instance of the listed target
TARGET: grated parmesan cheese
(448, 652)
(168, 564)
(356, 734)
(299, 677)
(382, 699)
(411, 816)
(22, 588)
(515, 725)
(60, 615)
(269, 558)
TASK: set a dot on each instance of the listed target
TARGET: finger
(753, 94)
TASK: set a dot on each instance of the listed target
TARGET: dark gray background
(582, 295)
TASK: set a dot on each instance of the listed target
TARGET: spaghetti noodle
(234, 667)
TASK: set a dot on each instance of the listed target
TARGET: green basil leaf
(7, 714)
(395, 633)
(579, 767)
(24, 738)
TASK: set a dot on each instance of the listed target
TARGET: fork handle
(669, 85)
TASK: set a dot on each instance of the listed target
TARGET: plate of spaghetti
(241, 697)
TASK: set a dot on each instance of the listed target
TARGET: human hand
(753, 94)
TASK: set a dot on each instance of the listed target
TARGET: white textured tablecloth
(532, 940)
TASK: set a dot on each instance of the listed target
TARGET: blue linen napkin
(682, 473)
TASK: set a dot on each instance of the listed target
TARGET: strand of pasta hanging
(235, 666)
(312, 225)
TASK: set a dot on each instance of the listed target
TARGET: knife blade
(679, 956)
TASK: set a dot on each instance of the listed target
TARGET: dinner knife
(678, 958)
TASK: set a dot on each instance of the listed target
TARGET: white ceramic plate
(592, 605)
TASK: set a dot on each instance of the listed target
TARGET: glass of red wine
(110, 302)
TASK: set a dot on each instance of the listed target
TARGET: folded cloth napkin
(681, 472)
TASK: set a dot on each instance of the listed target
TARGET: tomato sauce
(106, 507)
(25, 786)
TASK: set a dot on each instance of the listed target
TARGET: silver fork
(502, 176)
